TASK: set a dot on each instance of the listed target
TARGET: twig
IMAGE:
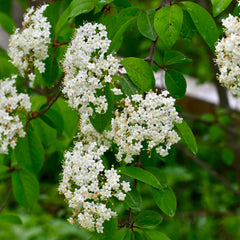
(211, 171)
(150, 58)
(5, 199)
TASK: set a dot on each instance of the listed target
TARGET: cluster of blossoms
(150, 119)
(228, 55)
(29, 48)
(10, 103)
(88, 69)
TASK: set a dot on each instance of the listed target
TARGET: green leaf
(145, 24)
(168, 24)
(25, 188)
(187, 135)
(101, 121)
(128, 87)
(141, 175)
(3, 169)
(6, 68)
(208, 117)
(188, 28)
(7, 23)
(29, 151)
(10, 219)
(165, 200)
(23, 4)
(148, 218)
(139, 72)
(173, 57)
(227, 156)
(125, 20)
(133, 200)
(175, 83)
(155, 235)
(219, 6)
(204, 23)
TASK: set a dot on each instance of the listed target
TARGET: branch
(6, 198)
(211, 171)
(150, 58)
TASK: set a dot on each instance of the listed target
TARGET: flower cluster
(10, 103)
(29, 48)
(151, 119)
(228, 55)
(88, 69)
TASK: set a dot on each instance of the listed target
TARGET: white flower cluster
(87, 185)
(151, 119)
(10, 102)
(88, 69)
(228, 55)
(29, 48)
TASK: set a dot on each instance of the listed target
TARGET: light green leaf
(7, 23)
(173, 57)
(139, 72)
(3, 169)
(165, 200)
(10, 219)
(148, 218)
(25, 188)
(175, 83)
(187, 135)
(145, 24)
(204, 23)
(155, 235)
(219, 6)
(6, 68)
(141, 175)
(168, 24)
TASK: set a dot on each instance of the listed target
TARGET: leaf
(10, 219)
(168, 23)
(187, 135)
(188, 28)
(23, 4)
(29, 151)
(125, 20)
(165, 200)
(204, 23)
(139, 72)
(7, 23)
(155, 235)
(173, 57)
(219, 6)
(3, 169)
(6, 68)
(148, 218)
(145, 24)
(100, 121)
(227, 156)
(175, 83)
(128, 87)
(141, 175)
(25, 188)
(133, 200)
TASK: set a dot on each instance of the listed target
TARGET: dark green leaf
(3, 169)
(148, 218)
(155, 235)
(168, 24)
(173, 57)
(219, 6)
(25, 188)
(134, 200)
(78, 7)
(145, 24)
(128, 87)
(23, 4)
(6, 6)
(141, 175)
(139, 72)
(6, 68)
(10, 219)
(101, 4)
(175, 83)
(122, 3)
(159, 174)
(227, 156)
(187, 135)
(29, 151)
(137, 235)
(165, 200)
(204, 23)
(7, 23)
(188, 28)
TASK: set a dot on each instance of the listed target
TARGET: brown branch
(6, 198)
(150, 58)
(211, 171)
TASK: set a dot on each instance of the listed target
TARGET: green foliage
(219, 6)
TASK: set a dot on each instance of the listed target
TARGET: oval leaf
(25, 188)
(173, 57)
(133, 200)
(168, 23)
(165, 200)
(145, 24)
(148, 218)
(10, 219)
(187, 135)
(175, 83)
(219, 6)
(139, 72)
(204, 23)
(141, 175)
(155, 235)
(7, 23)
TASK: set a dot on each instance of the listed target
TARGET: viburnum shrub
(67, 90)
